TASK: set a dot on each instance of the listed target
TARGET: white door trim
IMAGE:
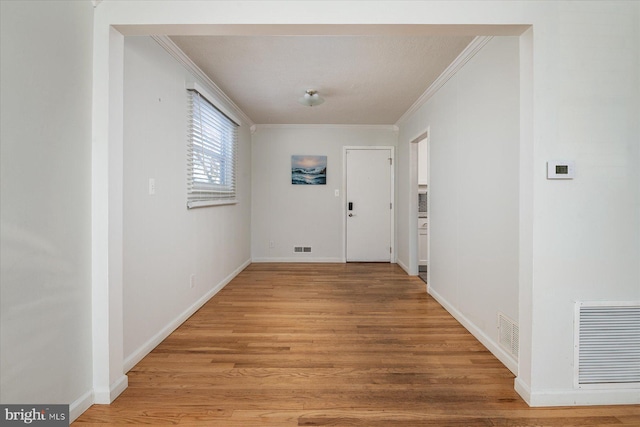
(414, 157)
(392, 257)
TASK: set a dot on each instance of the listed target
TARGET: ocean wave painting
(309, 170)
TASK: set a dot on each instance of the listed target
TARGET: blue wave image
(308, 170)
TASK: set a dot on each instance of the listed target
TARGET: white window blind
(211, 154)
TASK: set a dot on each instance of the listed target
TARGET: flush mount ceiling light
(311, 98)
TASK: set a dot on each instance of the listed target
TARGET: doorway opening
(422, 187)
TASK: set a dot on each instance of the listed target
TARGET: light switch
(152, 186)
(337, 192)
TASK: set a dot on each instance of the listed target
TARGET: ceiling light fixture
(311, 98)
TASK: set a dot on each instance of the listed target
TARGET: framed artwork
(308, 170)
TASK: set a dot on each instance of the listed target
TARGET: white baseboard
(495, 348)
(133, 359)
(404, 267)
(578, 397)
(300, 259)
(105, 397)
(77, 407)
(523, 390)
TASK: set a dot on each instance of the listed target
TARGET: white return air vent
(509, 334)
(607, 345)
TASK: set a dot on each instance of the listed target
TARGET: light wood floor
(329, 345)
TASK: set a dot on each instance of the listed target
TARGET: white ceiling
(364, 79)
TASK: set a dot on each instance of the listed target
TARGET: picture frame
(308, 170)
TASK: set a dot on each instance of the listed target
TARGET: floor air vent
(509, 335)
(607, 344)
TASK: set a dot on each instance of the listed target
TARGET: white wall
(586, 231)
(578, 240)
(164, 243)
(581, 238)
(300, 215)
(473, 212)
(45, 297)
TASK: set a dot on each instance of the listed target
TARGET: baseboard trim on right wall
(404, 267)
(575, 397)
(494, 347)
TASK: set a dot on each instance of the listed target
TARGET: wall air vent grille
(607, 343)
(301, 249)
(509, 335)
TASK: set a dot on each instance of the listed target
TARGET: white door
(369, 191)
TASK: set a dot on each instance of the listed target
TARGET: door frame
(392, 225)
(414, 166)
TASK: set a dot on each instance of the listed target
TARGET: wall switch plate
(152, 186)
(337, 192)
(561, 169)
(192, 281)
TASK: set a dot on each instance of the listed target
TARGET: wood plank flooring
(329, 345)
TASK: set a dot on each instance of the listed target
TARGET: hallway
(328, 344)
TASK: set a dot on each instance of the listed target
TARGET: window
(211, 153)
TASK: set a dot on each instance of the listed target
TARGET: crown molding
(469, 52)
(391, 128)
(167, 44)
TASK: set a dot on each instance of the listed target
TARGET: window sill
(206, 203)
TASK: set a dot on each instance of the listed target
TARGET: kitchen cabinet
(423, 177)
(423, 241)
